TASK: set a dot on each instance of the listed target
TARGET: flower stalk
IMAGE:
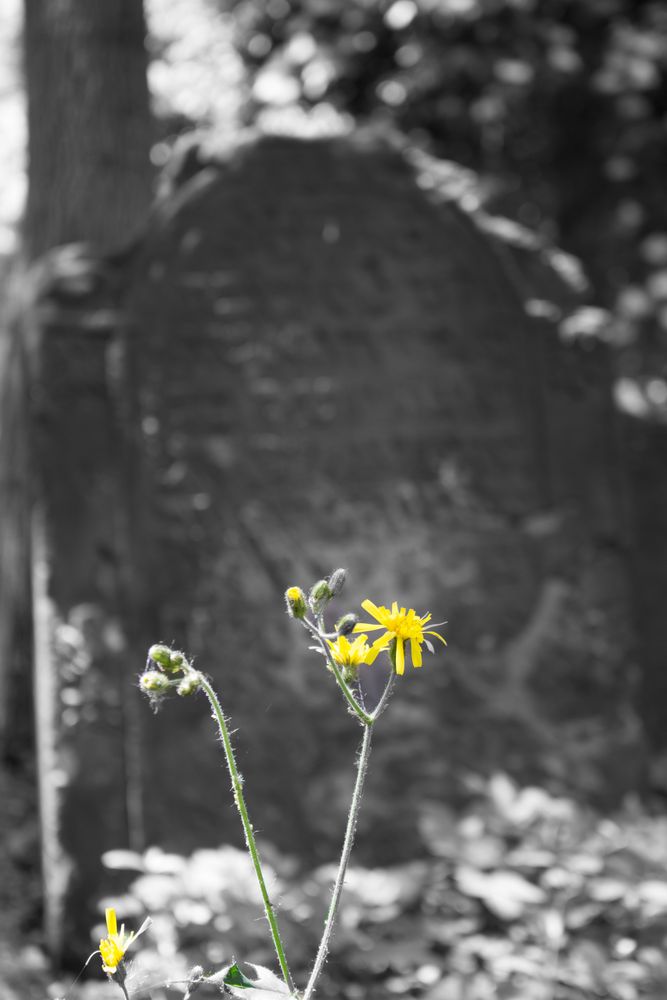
(317, 634)
(170, 672)
(348, 842)
(350, 830)
(237, 786)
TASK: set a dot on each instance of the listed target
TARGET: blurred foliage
(559, 105)
(524, 895)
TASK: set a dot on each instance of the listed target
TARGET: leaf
(607, 890)
(265, 979)
(234, 977)
(257, 994)
(504, 892)
(264, 983)
(654, 893)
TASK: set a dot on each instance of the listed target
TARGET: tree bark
(89, 122)
(89, 181)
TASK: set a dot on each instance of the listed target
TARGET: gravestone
(335, 366)
(329, 356)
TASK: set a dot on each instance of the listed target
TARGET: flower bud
(337, 581)
(195, 977)
(161, 655)
(345, 625)
(177, 661)
(153, 682)
(188, 685)
(296, 602)
(319, 595)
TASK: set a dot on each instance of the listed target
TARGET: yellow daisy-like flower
(401, 625)
(113, 947)
(350, 654)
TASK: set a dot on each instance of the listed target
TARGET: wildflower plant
(343, 650)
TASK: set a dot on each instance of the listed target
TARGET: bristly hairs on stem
(237, 789)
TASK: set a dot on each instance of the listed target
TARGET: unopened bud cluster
(168, 670)
(298, 605)
(340, 654)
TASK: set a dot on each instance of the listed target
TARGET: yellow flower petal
(383, 641)
(348, 654)
(112, 926)
(373, 654)
(403, 626)
(400, 656)
(372, 609)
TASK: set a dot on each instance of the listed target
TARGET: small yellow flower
(349, 654)
(401, 625)
(296, 602)
(113, 947)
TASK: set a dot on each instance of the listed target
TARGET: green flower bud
(337, 581)
(345, 625)
(296, 602)
(319, 595)
(161, 655)
(153, 682)
(178, 661)
(188, 685)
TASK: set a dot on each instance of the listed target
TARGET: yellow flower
(113, 947)
(296, 602)
(401, 625)
(349, 654)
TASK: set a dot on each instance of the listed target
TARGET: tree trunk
(89, 122)
(61, 451)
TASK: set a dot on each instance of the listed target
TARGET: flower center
(405, 626)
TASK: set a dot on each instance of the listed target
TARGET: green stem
(237, 786)
(382, 704)
(352, 701)
(323, 949)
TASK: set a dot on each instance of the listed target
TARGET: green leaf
(234, 977)
(264, 984)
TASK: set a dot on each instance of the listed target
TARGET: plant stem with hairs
(350, 830)
(237, 787)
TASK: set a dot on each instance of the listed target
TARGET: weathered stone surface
(336, 367)
(645, 491)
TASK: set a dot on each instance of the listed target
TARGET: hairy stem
(382, 704)
(237, 786)
(349, 697)
(322, 951)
